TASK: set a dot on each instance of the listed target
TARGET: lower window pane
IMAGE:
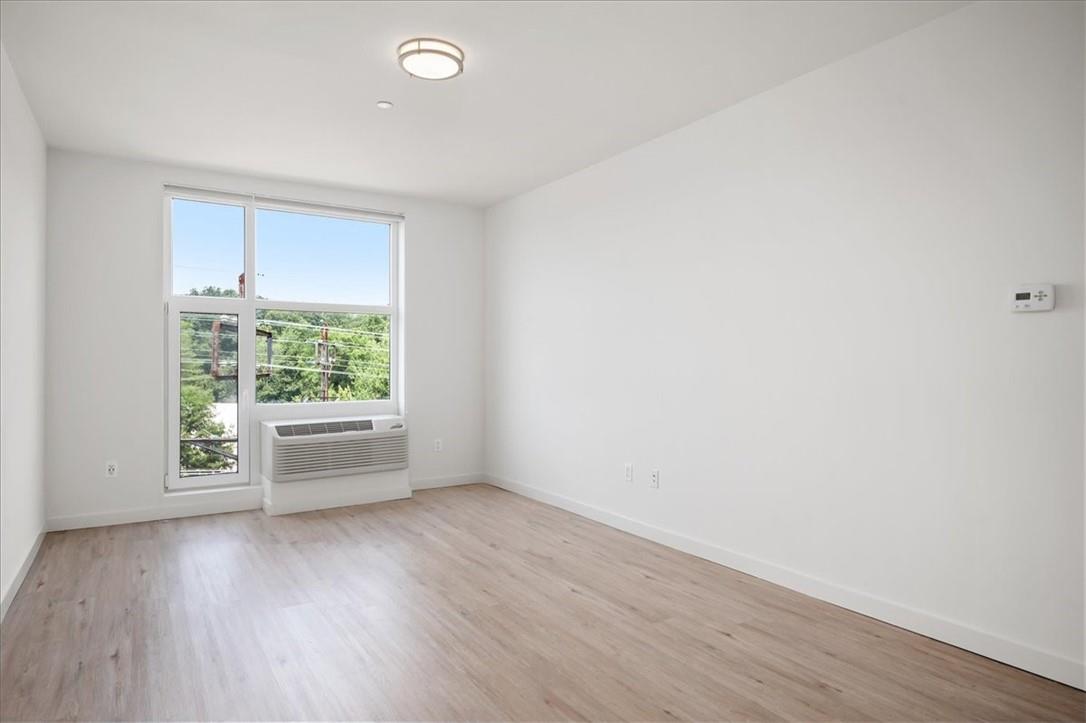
(304, 356)
(209, 394)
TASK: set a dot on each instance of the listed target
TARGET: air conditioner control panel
(1033, 297)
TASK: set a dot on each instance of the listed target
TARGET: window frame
(251, 413)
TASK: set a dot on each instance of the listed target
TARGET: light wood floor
(463, 603)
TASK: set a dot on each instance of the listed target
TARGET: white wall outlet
(438, 446)
(654, 479)
(629, 472)
(111, 468)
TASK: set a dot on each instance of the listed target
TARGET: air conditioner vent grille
(343, 456)
(331, 427)
(293, 450)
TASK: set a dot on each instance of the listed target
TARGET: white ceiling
(288, 89)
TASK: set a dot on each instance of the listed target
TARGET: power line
(281, 340)
(307, 369)
(276, 322)
(310, 342)
(201, 361)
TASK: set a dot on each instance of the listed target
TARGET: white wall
(797, 310)
(106, 333)
(22, 332)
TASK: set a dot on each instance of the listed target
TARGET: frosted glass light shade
(431, 58)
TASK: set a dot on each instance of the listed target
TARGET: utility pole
(326, 357)
(216, 346)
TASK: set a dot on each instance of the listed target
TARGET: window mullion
(323, 306)
(247, 341)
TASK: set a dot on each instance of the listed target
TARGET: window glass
(208, 242)
(306, 356)
(209, 394)
(321, 259)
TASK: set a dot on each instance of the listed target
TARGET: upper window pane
(322, 259)
(208, 242)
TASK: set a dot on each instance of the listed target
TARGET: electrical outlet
(629, 472)
(654, 479)
(438, 446)
(111, 468)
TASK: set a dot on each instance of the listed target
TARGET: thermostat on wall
(1034, 297)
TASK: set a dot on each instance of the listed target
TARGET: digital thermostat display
(1034, 297)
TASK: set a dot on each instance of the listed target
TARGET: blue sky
(299, 257)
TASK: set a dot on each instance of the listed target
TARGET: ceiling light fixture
(384, 104)
(431, 58)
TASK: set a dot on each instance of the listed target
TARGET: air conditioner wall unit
(312, 464)
(314, 448)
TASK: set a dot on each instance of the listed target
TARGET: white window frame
(251, 414)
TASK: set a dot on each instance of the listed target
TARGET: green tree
(214, 291)
(198, 422)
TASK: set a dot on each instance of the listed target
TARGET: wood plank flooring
(463, 603)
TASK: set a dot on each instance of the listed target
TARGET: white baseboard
(20, 576)
(1049, 665)
(176, 504)
(433, 482)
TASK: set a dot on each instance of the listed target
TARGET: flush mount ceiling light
(384, 104)
(431, 58)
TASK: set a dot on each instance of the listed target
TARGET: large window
(276, 309)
